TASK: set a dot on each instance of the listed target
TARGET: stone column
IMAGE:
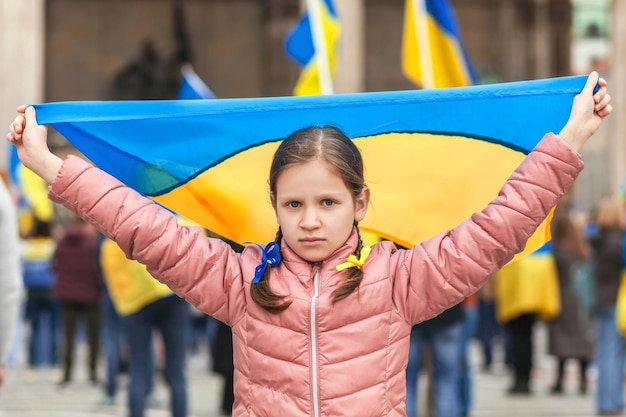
(542, 42)
(22, 58)
(511, 42)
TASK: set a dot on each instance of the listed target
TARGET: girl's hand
(31, 141)
(588, 111)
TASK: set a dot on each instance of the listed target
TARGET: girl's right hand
(30, 139)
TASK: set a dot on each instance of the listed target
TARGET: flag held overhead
(432, 157)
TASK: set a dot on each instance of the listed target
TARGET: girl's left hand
(588, 111)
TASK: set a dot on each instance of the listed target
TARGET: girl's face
(315, 209)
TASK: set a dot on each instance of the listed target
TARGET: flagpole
(319, 42)
(420, 17)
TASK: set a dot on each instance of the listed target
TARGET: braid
(355, 275)
(262, 294)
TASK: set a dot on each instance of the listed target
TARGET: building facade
(132, 49)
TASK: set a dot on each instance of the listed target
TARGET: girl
(320, 323)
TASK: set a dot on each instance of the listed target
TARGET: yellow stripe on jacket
(130, 285)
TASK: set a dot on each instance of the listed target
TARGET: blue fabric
(178, 152)
(470, 325)
(37, 274)
(610, 361)
(44, 316)
(112, 133)
(111, 330)
(167, 315)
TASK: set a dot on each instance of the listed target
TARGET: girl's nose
(310, 219)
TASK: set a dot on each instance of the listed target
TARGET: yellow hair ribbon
(354, 262)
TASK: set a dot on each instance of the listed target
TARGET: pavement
(34, 393)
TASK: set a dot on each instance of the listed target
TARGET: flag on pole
(432, 156)
(191, 85)
(312, 44)
(432, 52)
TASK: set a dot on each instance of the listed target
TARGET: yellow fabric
(38, 248)
(529, 285)
(620, 315)
(422, 155)
(130, 285)
(354, 262)
(35, 191)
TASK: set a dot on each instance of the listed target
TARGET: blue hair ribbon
(271, 257)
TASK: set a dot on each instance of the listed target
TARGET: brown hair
(331, 145)
(566, 235)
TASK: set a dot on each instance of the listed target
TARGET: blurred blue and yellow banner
(432, 52)
(32, 193)
(528, 286)
(432, 157)
(300, 46)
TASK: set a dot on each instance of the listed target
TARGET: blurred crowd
(81, 288)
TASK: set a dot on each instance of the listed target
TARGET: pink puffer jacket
(317, 358)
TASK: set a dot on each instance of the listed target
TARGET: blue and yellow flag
(528, 286)
(432, 53)
(191, 85)
(32, 191)
(300, 47)
(432, 157)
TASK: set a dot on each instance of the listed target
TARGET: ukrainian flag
(191, 85)
(528, 285)
(432, 53)
(432, 157)
(300, 46)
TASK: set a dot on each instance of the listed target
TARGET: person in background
(569, 333)
(470, 324)
(527, 290)
(42, 310)
(607, 244)
(490, 332)
(145, 304)
(78, 288)
(11, 287)
(442, 336)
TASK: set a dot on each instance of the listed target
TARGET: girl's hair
(610, 214)
(566, 235)
(331, 145)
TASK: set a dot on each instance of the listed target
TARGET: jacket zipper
(313, 337)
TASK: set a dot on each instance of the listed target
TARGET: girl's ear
(361, 204)
(273, 201)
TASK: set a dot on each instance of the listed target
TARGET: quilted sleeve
(445, 269)
(204, 271)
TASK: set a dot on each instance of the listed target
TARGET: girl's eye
(293, 204)
(328, 202)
